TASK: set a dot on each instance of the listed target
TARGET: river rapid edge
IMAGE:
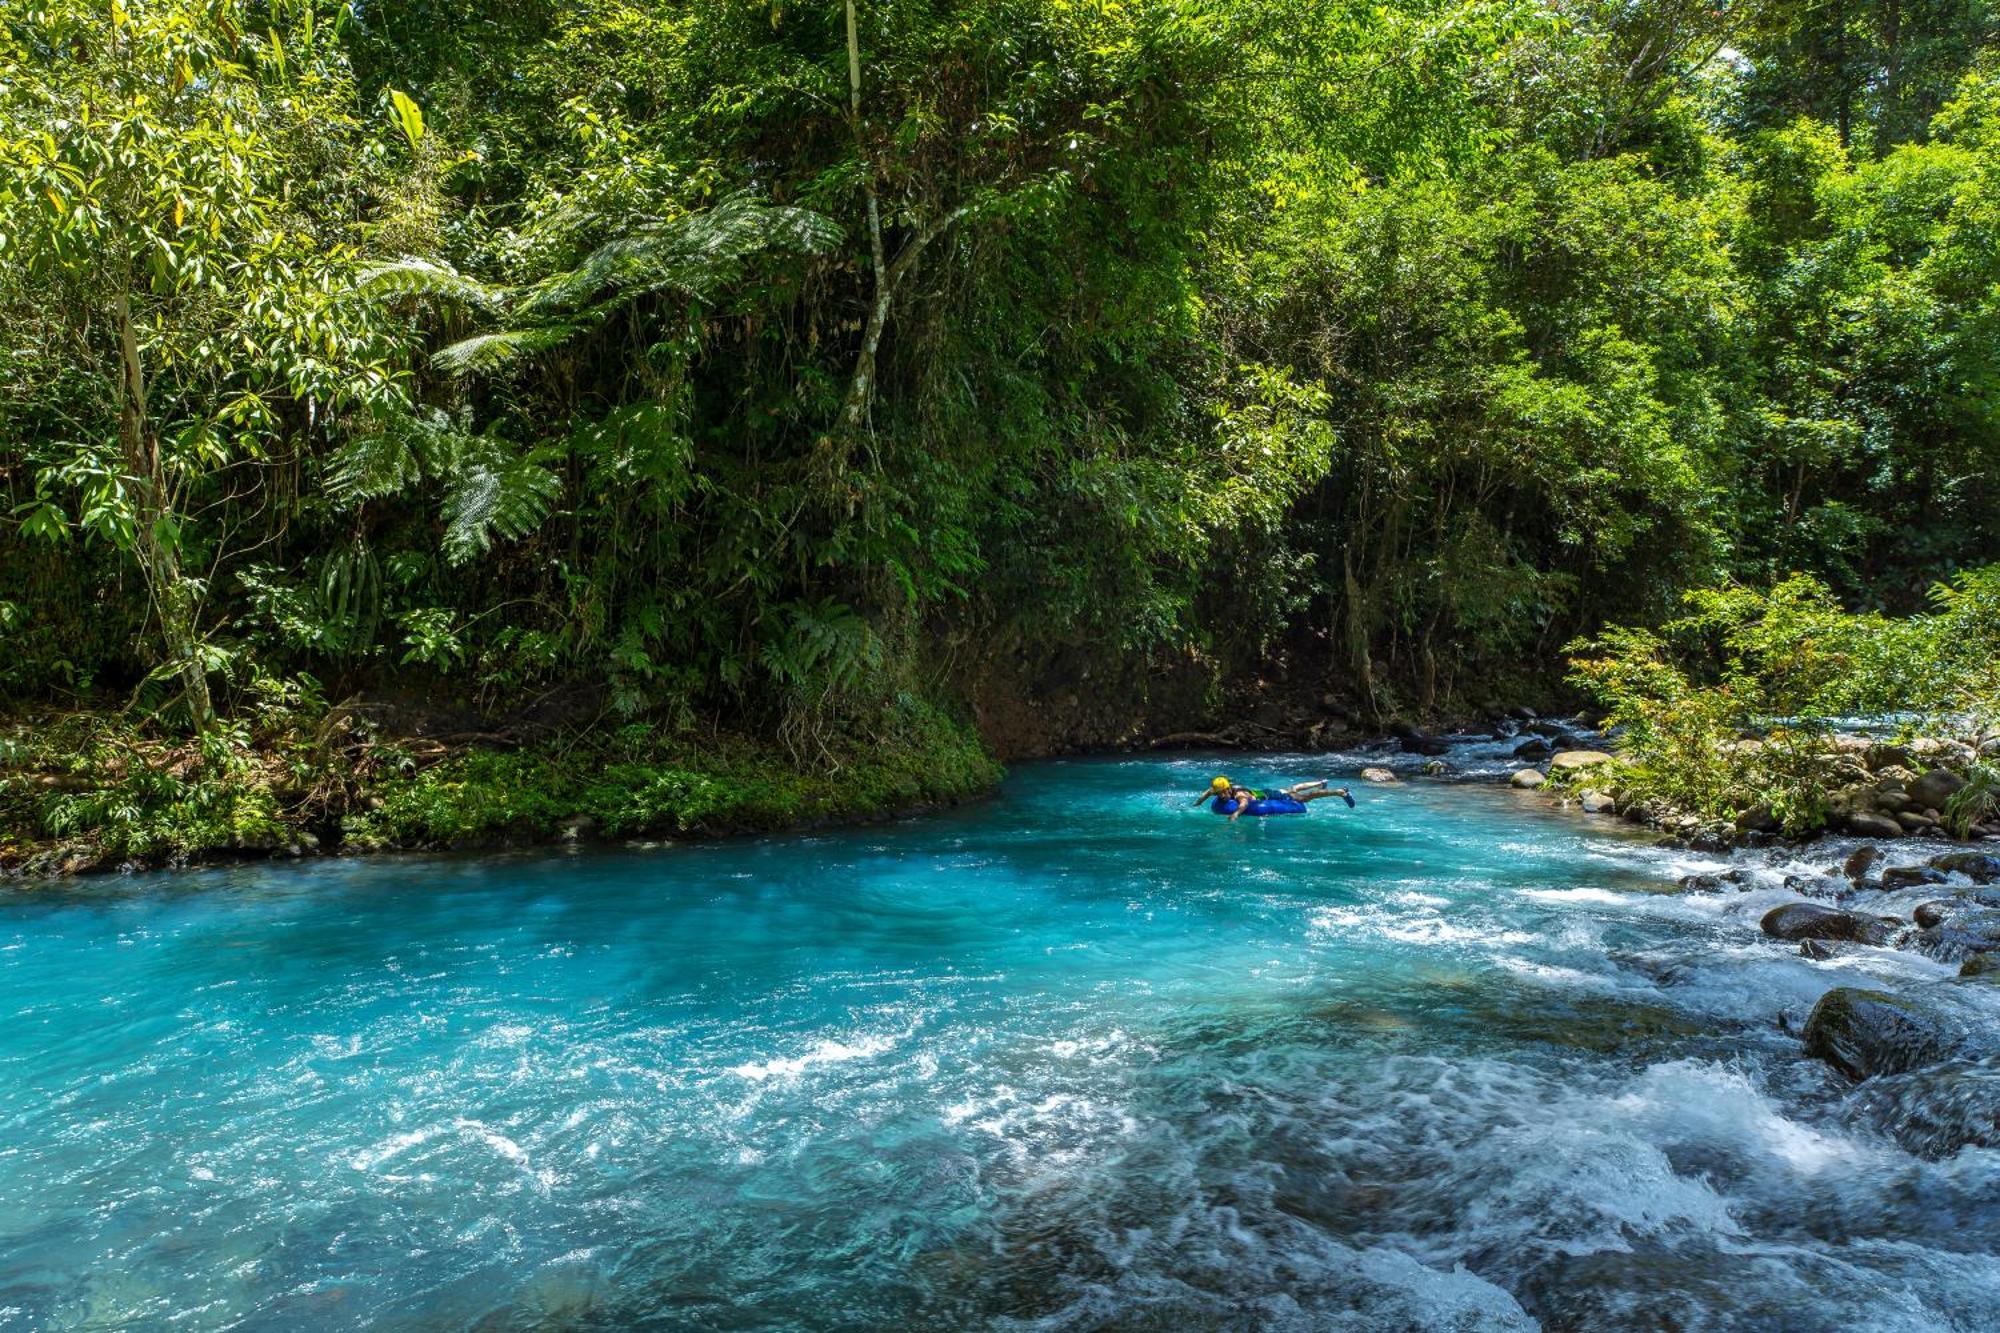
(1077, 1057)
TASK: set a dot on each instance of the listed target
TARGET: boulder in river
(1532, 750)
(1860, 861)
(1527, 779)
(1869, 825)
(1425, 745)
(1597, 803)
(1810, 921)
(1984, 966)
(1579, 759)
(1979, 867)
(1866, 1032)
(1904, 877)
(1934, 788)
(1930, 914)
(1377, 775)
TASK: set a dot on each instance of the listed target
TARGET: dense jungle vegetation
(740, 385)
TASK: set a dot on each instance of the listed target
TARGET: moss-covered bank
(84, 792)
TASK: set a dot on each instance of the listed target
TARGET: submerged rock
(1738, 879)
(1817, 950)
(1960, 934)
(1804, 921)
(1981, 965)
(1903, 877)
(1863, 1033)
(1939, 1109)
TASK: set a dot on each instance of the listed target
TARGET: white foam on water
(1601, 897)
(830, 1051)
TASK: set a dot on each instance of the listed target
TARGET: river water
(1081, 1057)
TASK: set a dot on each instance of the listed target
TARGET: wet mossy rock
(1863, 1033)
(1960, 934)
(1979, 867)
(1811, 921)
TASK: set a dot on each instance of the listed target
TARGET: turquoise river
(1079, 1057)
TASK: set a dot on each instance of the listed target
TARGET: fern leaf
(495, 496)
(369, 467)
(697, 254)
(428, 277)
(490, 351)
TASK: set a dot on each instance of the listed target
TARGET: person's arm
(1242, 798)
(1204, 796)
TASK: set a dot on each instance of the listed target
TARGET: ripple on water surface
(1082, 1057)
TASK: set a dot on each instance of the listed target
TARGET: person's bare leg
(1305, 796)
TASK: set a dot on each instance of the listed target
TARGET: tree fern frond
(490, 351)
(494, 495)
(429, 277)
(368, 467)
(696, 254)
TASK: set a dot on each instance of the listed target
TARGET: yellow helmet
(1220, 784)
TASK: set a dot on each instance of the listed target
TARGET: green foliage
(1731, 706)
(1974, 803)
(638, 782)
(496, 352)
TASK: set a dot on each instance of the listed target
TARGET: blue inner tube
(1263, 805)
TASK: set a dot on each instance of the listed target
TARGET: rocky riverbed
(1904, 917)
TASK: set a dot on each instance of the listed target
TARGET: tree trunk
(862, 384)
(152, 539)
(888, 275)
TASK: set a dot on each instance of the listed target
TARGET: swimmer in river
(1227, 793)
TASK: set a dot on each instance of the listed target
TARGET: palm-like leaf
(429, 277)
(494, 494)
(491, 351)
(698, 253)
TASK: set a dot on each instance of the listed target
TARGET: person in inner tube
(1225, 791)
